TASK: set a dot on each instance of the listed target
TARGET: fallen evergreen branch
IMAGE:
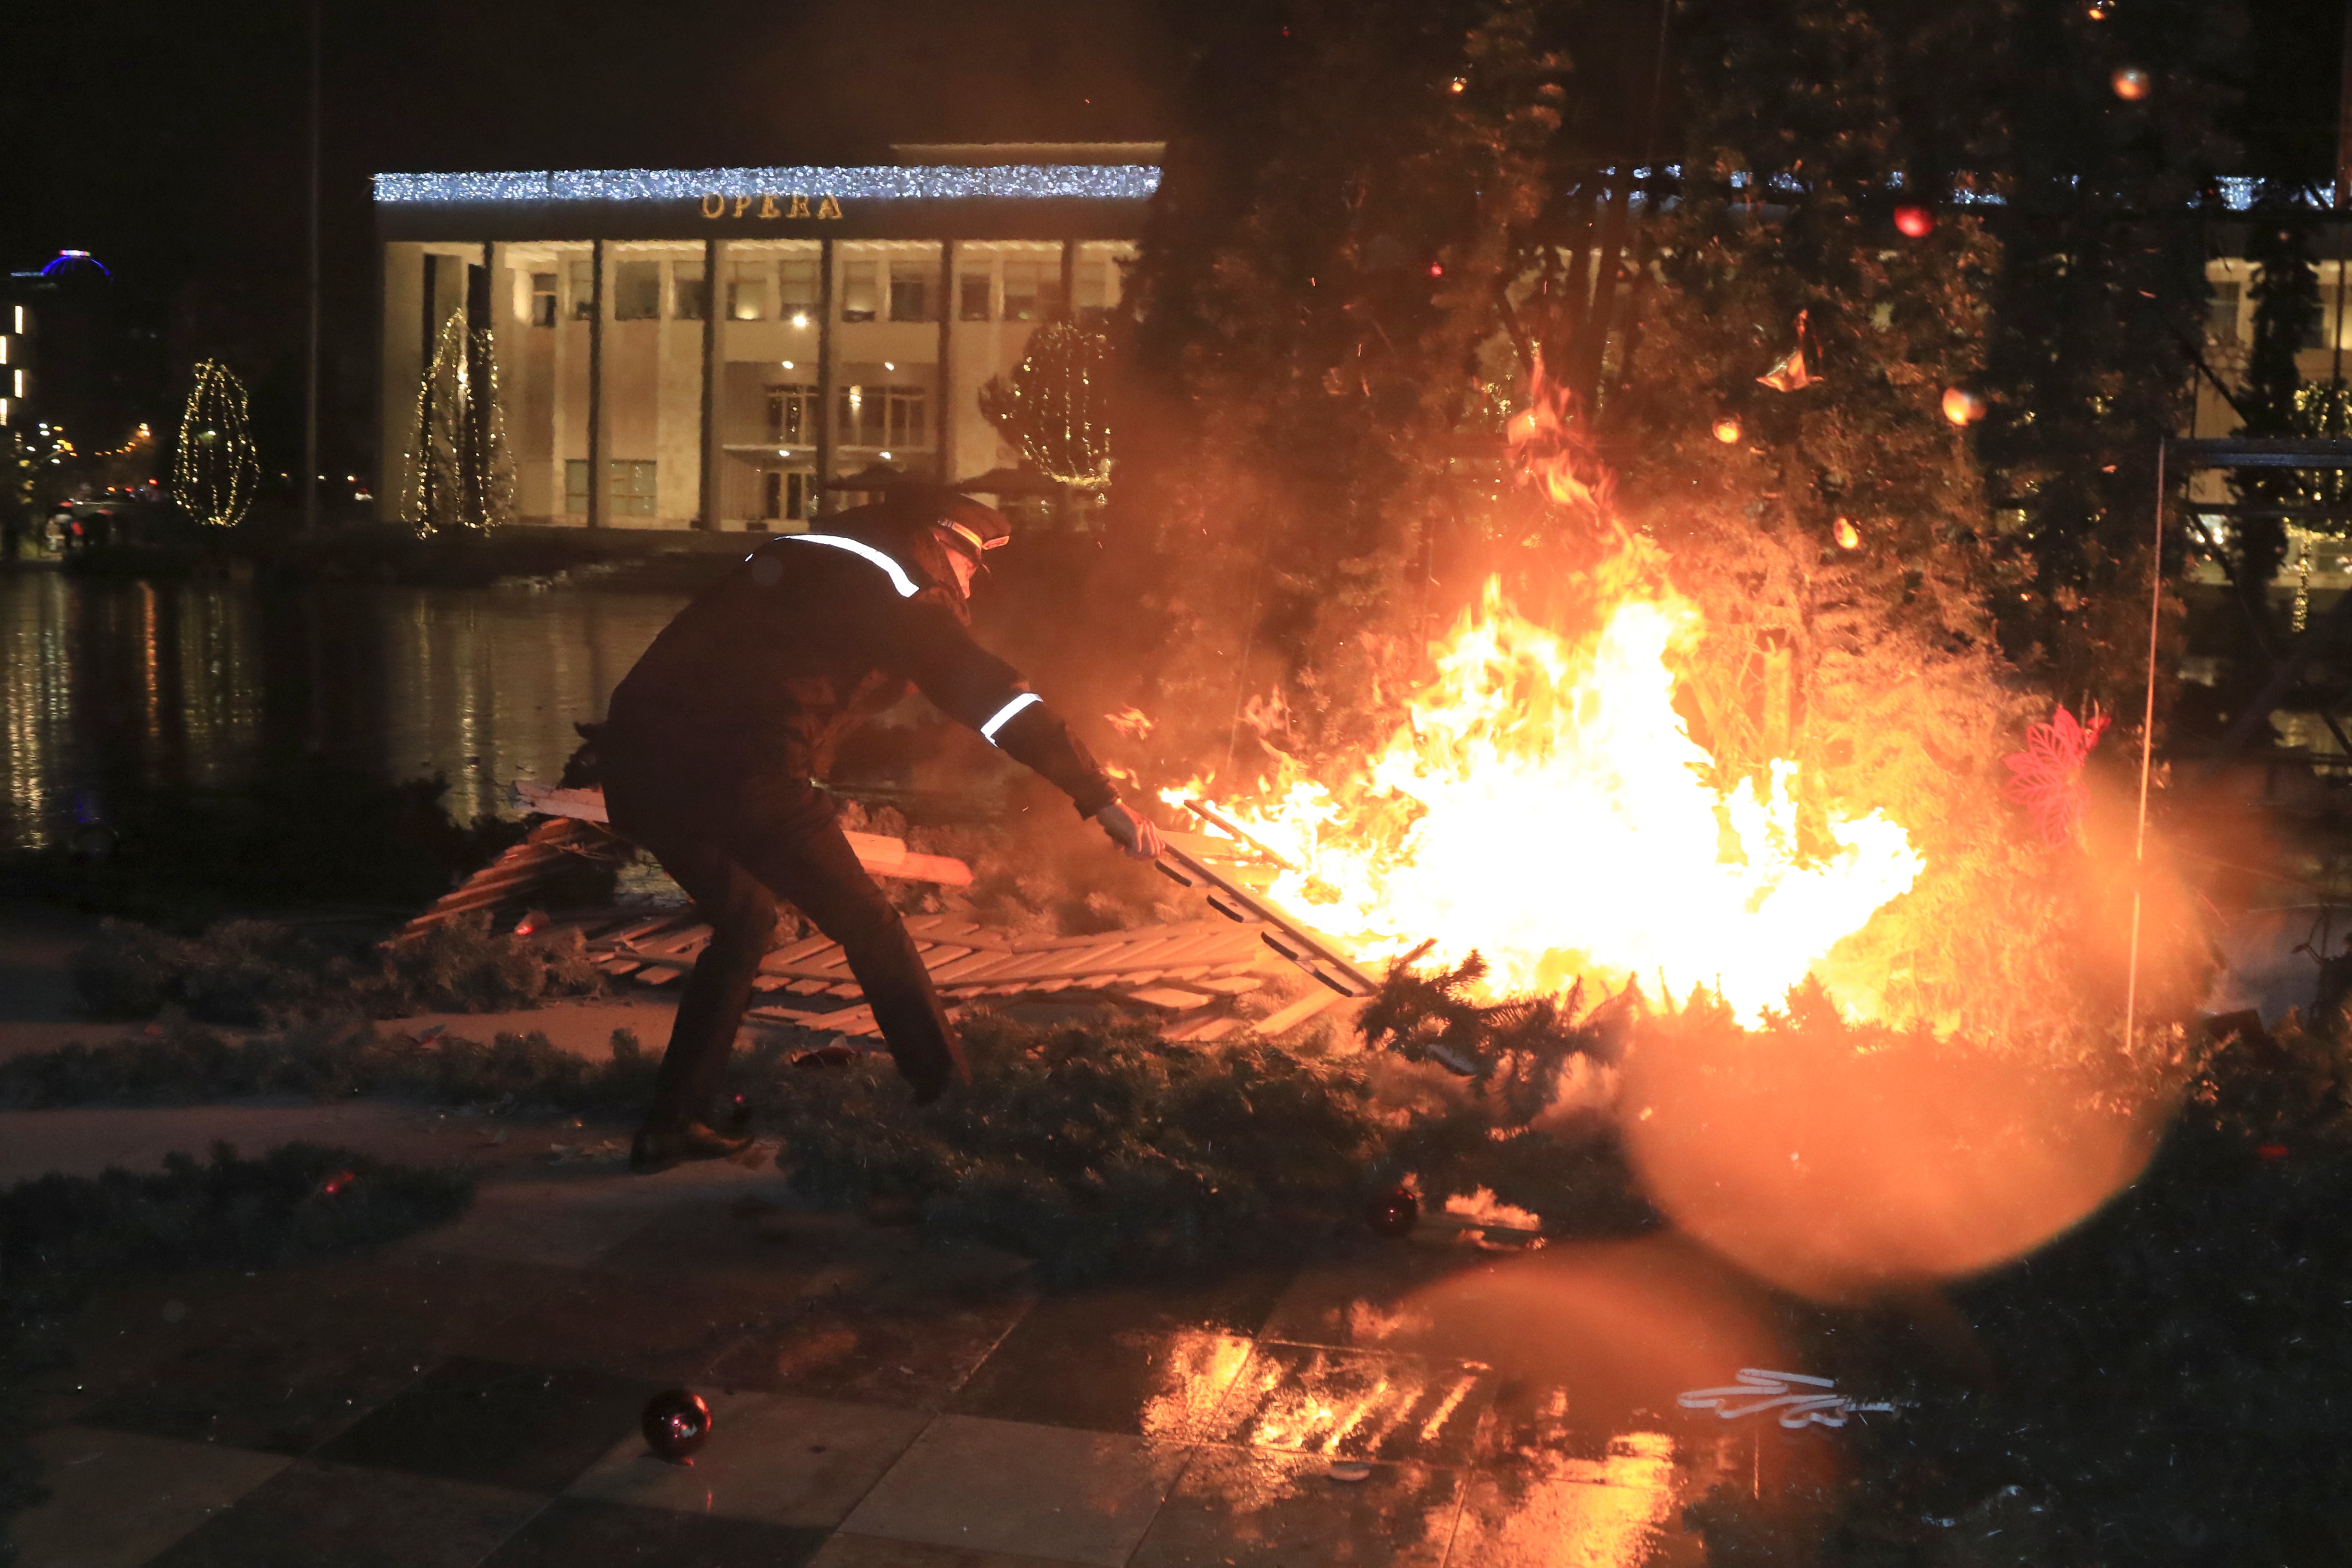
(61, 1236)
(188, 1065)
(252, 973)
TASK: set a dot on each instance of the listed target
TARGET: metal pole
(713, 251)
(816, 505)
(2146, 750)
(596, 480)
(945, 439)
(310, 347)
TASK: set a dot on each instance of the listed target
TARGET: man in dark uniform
(714, 739)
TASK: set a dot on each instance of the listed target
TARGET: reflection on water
(107, 686)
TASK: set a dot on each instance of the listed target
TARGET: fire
(1545, 805)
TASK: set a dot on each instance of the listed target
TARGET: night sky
(168, 138)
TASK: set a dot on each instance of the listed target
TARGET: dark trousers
(738, 846)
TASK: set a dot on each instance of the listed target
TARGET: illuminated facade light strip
(1004, 715)
(1019, 182)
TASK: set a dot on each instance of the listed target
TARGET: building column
(479, 312)
(944, 415)
(714, 251)
(430, 324)
(818, 505)
(1069, 281)
(597, 484)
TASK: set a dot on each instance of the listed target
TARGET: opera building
(701, 348)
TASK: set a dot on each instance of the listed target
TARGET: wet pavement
(471, 1396)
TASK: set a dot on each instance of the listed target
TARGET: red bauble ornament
(2131, 84)
(1915, 222)
(1962, 407)
(675, 1423)
(1394, 1213)
(1726, 429)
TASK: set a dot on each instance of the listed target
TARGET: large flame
(1545, 805)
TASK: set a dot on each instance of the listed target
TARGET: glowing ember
(1545, 805)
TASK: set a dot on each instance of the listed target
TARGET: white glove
(1129, 831)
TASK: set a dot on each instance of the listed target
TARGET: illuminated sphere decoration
(1962, 407)
(675, 1423)
(1726, 430)
(2131, 83)
(1393, 1213)
(1848, 536)
(1915, 222)
(1055, 406)
(215, 467)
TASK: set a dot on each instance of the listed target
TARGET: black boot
(660, 1145)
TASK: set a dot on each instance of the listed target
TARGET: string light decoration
(925, 182)
(459, 475)
(215, 468)
(1055, 407)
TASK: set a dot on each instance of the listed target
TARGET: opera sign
(718, 205)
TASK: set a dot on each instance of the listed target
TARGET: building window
(860, 282)
(2314, 329)
(885, 417)
(797, 280)
(1093, 303)
(749, 284)
(910, 291)
(689, 291)
(543, 299)
(792, 414)
(784, 495)
(972, 296)
(581, 275)
(2221, 314)
(628, 490)
(636, 291)
(909, 422)
(1033, 290)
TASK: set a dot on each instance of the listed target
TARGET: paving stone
(117, 1498)
(844, 1550)
(311, 1514)
(284, 1360)
(877, 1354)
(655, 1328)
(1356, 1405)
(773, 1458)
(576, 1534)
(1241, 1506)
(498, 1424)
(1008, 1486)
(1509, 1522)
(1075, 1363)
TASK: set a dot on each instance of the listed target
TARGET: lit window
(909, 409)
(629, 489)
(749, 284)
(689, 291)
(860, 282)
(792, 414)
(798, 280)
(543, 299)
(579, 276)
(2221, 314)
(1093, 288)
(910, 291)
(972, 296)
(636, 291)
(1032, 291)
(4, 341)
(17, 375)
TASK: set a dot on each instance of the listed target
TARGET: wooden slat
(1297, 1013)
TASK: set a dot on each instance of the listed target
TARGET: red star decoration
(2047, 776)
